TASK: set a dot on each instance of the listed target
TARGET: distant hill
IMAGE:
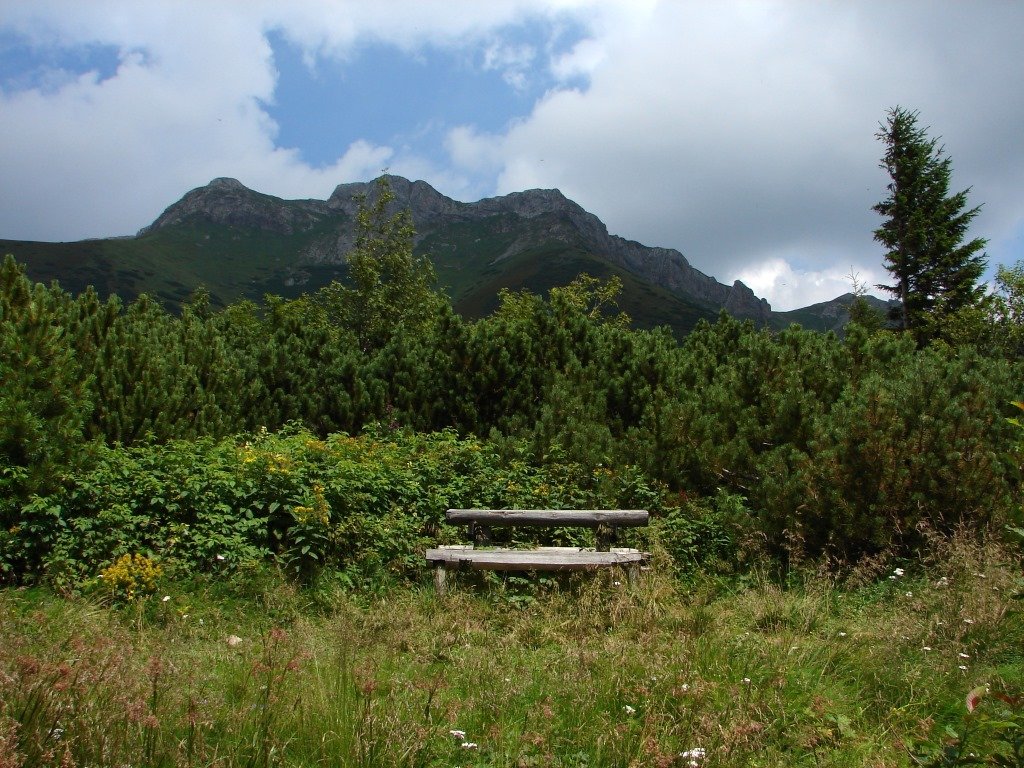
(828, 315)
(240, 243)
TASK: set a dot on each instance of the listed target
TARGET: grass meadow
(699, 670)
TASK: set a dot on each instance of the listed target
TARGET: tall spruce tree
(935, 273)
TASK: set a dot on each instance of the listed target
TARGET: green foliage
(585, 296)
(909, 449)
(160, 376)
(992, 733)
(705, 533)
(833, 447)
(43, 399)
(309, 372)
(392, 289)
(996, 324)
(847, 448)
(935, 273)
(365, 506)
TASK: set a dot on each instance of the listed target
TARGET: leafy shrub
(705, 532)
(914, 448)
(367, 505)
(840, 448)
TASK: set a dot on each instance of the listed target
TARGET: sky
(739, 133)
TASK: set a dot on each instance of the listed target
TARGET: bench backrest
(586, 518)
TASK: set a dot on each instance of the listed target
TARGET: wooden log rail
(605, 521)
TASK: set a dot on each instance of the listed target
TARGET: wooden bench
(480, 522)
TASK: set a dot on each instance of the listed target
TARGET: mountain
(828, 315)
(240, 243)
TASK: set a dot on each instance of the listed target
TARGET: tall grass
(739, 671)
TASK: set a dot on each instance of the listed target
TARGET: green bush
(705, 533)
(43, 401)
(917, 447)
(368, 506)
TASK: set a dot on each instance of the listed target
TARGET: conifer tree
(935, 273)
(311, 370)
(43, 394)
(164, 377)
(247, 337)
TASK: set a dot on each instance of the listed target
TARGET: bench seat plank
(544, 559)
(587, 518)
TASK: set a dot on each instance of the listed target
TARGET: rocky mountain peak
(530, 203)
(227, 201)
(419, 197)
(226, 184)
(742, 302)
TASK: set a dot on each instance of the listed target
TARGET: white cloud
(581, 61)
(736, 132)
(512, 60)
(791, 288)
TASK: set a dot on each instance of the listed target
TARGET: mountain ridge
(430, 209)
(241, 243)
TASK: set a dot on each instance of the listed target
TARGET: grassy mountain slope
(472, 260)
(827, 315)
(241, 244)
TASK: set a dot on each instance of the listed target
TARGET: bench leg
(633, 574)
(440, 579)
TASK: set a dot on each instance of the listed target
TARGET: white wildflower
(693, 756)
(233, 640)
(898, 572)
(457, 734)
(469, 745)
(629, 710)
(165, 598)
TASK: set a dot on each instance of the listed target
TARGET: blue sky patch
(487, 87)
(25, 65)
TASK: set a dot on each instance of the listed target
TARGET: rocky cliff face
(534, 217)
(228, 201)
